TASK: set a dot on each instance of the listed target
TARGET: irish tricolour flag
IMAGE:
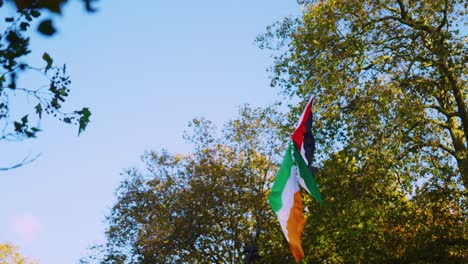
(285, 197)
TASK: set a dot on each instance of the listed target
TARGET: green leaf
(46, 27)
(24, 119)
(9, 19)
(24, 26)
(18, 127)
(39, 110)
(29, 134)
(47, 59)
(84, 119)
(54, 103)
(35, 13)
(28, 17)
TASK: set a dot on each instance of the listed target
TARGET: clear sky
(145, 68)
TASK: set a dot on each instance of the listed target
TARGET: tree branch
(403, 12)
(24, 162)
(446, 148)
(458, 94)
(444, 18)
(404, 19)
(439, 123)
(443, 111)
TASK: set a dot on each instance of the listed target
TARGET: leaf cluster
(390, 80)
(16, 122)
(32, 9)
(367, 216)
(9, 255)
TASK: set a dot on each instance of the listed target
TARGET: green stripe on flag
(275, 198)
(306, 175)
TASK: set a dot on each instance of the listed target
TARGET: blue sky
(145, 69)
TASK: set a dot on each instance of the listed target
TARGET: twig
(24, 162)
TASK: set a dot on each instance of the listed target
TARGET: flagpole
(252, 249)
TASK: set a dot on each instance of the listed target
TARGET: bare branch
(24, 162)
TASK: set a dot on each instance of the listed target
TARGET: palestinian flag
(303, 137)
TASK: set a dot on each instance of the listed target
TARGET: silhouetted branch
(24, 162)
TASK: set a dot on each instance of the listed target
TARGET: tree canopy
(46, 26)
(392, 124)
(202, 207)
(366, 217)
(205, 207)
(53, 88)
(9, 255)
(390, 79)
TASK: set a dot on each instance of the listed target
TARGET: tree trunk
(463, 167)
(461, 152)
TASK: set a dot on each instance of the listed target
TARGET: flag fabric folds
(285, 197)
(303, 137)
(306, 179)
(286, 201)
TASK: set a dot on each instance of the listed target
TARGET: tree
(9, 255)
(17, 123)
(203, 207)
(45, 26)
(51, 5)
(390, 78)
(391, 125)
(367, 217)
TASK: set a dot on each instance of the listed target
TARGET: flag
(305, 142)
(285, 197)
(303, 137)
(306, 179)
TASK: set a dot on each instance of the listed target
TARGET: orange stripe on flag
(295, 226)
